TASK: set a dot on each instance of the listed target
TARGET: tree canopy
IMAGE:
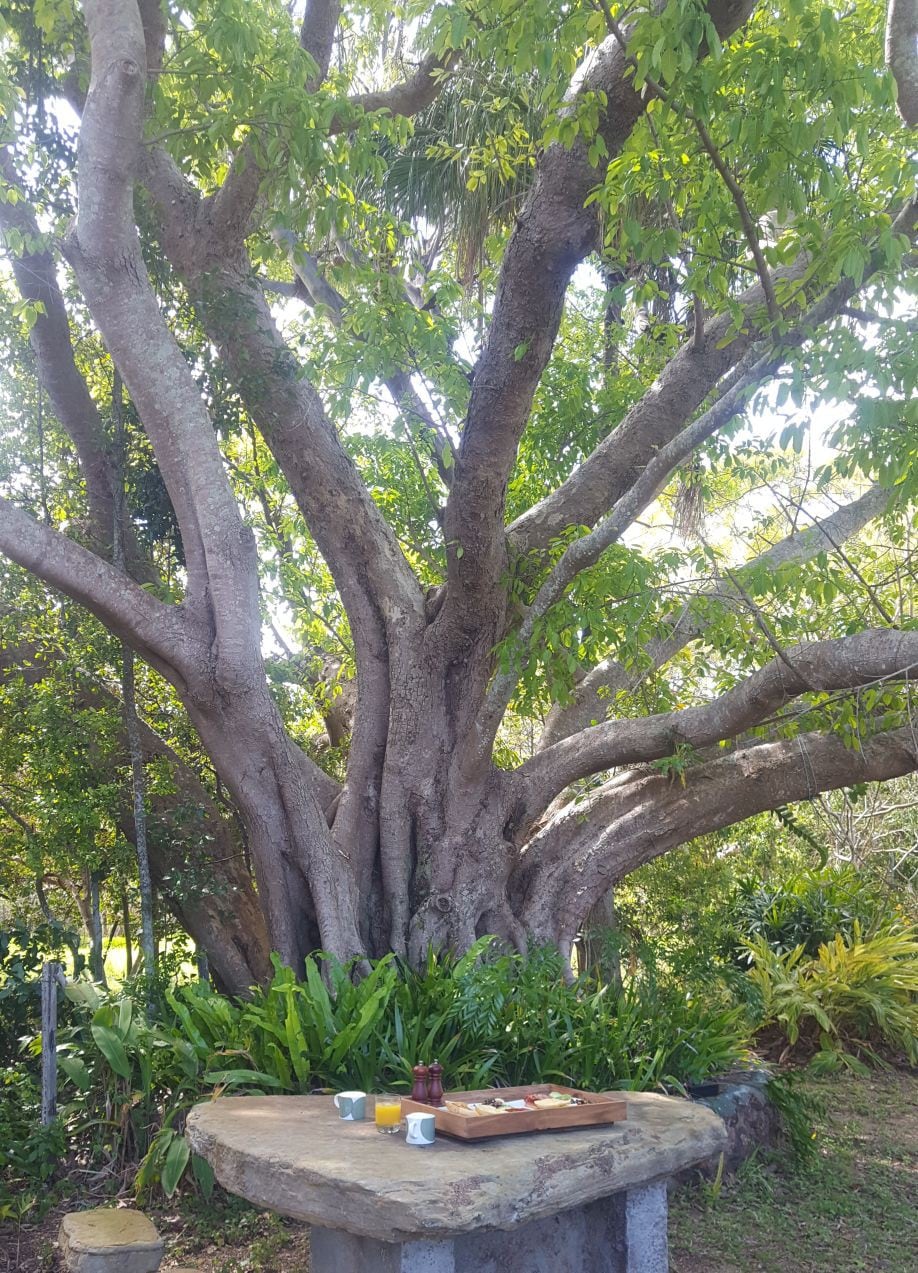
(492, 425)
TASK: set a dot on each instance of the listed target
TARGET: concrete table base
(622, 1234)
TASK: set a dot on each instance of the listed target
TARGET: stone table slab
(293, 1155)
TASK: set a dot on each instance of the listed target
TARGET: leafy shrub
(805, 910)
(23, 950)
(858, 992)
(29, 1152)
(131, 1081)
(799, 1109)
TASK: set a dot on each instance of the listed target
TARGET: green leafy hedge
(807, 909)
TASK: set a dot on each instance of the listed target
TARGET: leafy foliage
(23, 950)
(804, 910)
(799, 1108)
(858, 993)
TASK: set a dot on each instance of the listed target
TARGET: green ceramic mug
(351, 1106)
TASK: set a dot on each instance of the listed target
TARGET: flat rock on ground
(109, 1240)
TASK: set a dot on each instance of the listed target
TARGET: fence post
(50, 976)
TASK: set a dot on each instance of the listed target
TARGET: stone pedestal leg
(622, 1234)
(646, 1224)
(331, 1251)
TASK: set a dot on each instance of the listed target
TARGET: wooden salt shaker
(419, 1090)
(435, 1085)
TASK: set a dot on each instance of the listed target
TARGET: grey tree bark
(428, 840)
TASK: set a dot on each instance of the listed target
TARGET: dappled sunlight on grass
(854, 1210)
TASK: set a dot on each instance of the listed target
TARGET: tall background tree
(479, 510)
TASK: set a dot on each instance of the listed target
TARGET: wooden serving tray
(599, 1107)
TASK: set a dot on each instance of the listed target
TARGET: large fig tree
(461, 376)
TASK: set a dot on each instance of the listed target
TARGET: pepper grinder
(419, 1090)
(435, 1085)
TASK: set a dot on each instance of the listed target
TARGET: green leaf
(244, 1078)
(76, 1071)
(174, 1167)
(203, 1174)
(112, 1049)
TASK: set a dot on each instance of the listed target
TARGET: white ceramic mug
(351, 1106)
(422, 1129)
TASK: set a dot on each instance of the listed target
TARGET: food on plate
(497, 1105)
(456, 1107)
(554, 1100)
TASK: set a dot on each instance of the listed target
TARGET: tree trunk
(126, 926)
(597, 951)
(138, 789)
(96, 954)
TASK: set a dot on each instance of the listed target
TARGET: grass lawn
(855, 1208)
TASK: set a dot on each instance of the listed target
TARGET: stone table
(591, 1200)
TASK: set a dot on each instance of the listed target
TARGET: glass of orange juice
(388, 1113)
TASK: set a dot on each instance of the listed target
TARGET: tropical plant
(489, 1018)
(799, 1109)
(858, 994)
(30, 1153)
(805, 910)
(130, 1081)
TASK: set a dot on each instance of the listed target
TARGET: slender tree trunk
(129, 709)
(96, 954)
(42, 896)
(138, 788)
(126, 926)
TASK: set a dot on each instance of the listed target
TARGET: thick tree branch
(317, 36)
(591, 697)
(49, 337)
(105, 251)
(847, 663)
(352, 535)
(153, 19)
(104, 247)
(160, 633)
(378, 590)
(587, 550)
(555, 231)
(902, 55)
(683, 385)
(617, 462)
(407, 98)
(592, 844)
